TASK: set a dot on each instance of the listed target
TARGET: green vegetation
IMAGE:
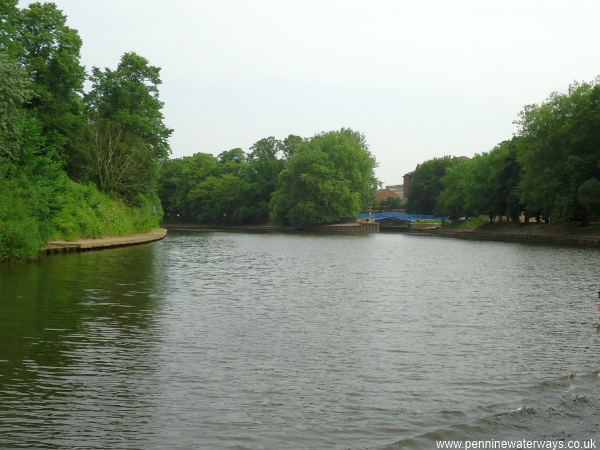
(388, 203)
(85, 211)
(427, 185)
(328, 177)
(232, 188)
(549, 170)
(72, 164)
(469, 224)
(296, 181)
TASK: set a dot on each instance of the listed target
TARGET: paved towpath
(102, 243)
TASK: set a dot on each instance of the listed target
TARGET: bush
(40, 203)
(470, 224)
(26, 193)
(85, 212)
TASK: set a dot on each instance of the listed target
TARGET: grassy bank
(564, 234)
(558, 230)
(34, 211)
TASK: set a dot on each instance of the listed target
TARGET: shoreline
(84, 245)
(339, 228)
(574, 236)
(192, 226)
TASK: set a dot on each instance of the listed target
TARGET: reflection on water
(77, 335)
(232, 340)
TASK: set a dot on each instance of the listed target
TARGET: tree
(231, 161)
(328, 177)
(560, 149)
(15, 91)
(129, 96)
(119, 161)
(588, 195)
(44, 130)
(265, 148)
(258, 181)
(9, 22)
(30, 182)
(231, 188)
(426, 184)
(128, 133)
(508, 179)
(49, 51)
(456, 183)
(178, 180)
(289, 145)
(485, 184)
(388, 203)
(216, 198)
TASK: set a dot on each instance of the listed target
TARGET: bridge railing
(392, 215)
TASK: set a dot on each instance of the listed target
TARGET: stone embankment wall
(424, 226)
(361, 227)
(83, 245)
(581, 241)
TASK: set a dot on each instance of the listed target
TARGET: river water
(238, 340)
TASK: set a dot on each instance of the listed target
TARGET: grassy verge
(86, 212)
(481, 225)
(34, 211)
(434, 221)
(470, 224)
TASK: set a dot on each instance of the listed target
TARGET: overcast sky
(420, 79)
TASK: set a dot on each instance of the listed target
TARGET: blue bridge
(398, 217)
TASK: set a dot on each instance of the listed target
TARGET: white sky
(420, 78)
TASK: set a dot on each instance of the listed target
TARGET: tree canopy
(549, 169)
(294, 181)
(327, 177)
(52, 133)
(127, 138)
(426, 184)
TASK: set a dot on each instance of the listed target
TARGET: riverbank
(333, 228)
(30, 216)
(567, 234)
(82, 245)
(191, 226)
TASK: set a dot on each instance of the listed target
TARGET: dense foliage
(295, 181)
(388, 203)
(550, 169)
(426, 184)
(328, 177)
(72, 164)
(230, 188)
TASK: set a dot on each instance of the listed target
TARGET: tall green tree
(507, 180)
(328, 177)
(258, 181)
(44, 130)
(129, 96)
(588, 196)
(560, 150)
(457, 182)
(30, 181)
(49, 51)
(233, 188)
(15, 91)
(128, 138)
(178, 184)
(485, 184)
(9, 23)
(289, 145)
(426, 184)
